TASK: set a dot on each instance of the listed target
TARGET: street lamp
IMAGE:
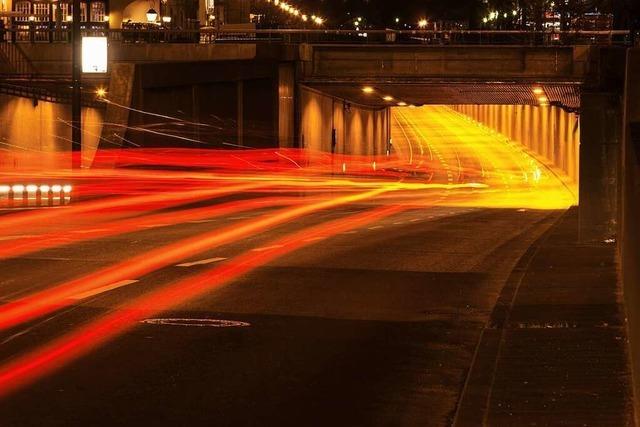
(152, 15)
(422, 23)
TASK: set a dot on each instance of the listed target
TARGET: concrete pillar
(629, 231)
(286, 105)
(240, 113)
(600, 128)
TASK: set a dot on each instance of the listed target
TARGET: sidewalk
(555, 350)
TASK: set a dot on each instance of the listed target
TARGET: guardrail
(47, 32)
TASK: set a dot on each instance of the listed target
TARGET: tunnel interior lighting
(31, 188)
(67, 188)
(367, 89)
(543, 99)
(18, 188)
(402, 104)
(44, 188)
(101, 92)
(388, 98)
(56, 188)
(4, 189)
(538, 90)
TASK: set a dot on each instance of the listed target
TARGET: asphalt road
(284, 296)
(374, 327)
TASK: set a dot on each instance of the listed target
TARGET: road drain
(211, 323)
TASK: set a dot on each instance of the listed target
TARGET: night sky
(383, 12)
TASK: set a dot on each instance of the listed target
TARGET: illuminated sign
(94, 54)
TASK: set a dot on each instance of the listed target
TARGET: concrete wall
(55, 58)
(404, 61)
(548, 132)
(629, 232)
(358, 130)
(37, 136)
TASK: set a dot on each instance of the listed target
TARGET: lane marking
(415, 219)
(213, 323)
(202, 221)
(313, 239)
(155, 225)
(375, 227)
(267, 248)
(349, 232)
(105, 288)
(201, 262)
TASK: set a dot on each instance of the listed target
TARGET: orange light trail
(440, 158)
(64, 350)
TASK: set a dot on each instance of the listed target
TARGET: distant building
(116, 13)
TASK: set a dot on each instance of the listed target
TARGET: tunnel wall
(629, 222)
(33, 136)
(550, 133)
(359, 130)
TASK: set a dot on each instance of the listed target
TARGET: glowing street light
(152, 15)
(422, 23)
(367, 89)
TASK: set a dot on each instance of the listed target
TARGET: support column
(240, 114)
(600, 125)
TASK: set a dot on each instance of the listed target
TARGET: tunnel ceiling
(565, 95)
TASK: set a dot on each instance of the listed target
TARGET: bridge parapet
(487, 63)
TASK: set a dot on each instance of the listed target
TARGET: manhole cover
(212, 323)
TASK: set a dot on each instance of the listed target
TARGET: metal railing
(50, 32)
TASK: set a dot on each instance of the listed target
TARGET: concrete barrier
(629, 232)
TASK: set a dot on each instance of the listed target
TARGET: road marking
(201, 262)
(238, 217)
(267, 248)
(202, 221)
(105, 288)
(415, 219)
(155, 225)
(375, 227)
(349, 232)
(313, 239)
(398, 223)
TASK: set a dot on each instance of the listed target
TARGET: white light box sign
(94, 54)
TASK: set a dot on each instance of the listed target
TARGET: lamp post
(76, 91)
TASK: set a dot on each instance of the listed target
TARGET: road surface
(266, 288)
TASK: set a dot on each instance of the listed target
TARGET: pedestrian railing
(51, 32)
